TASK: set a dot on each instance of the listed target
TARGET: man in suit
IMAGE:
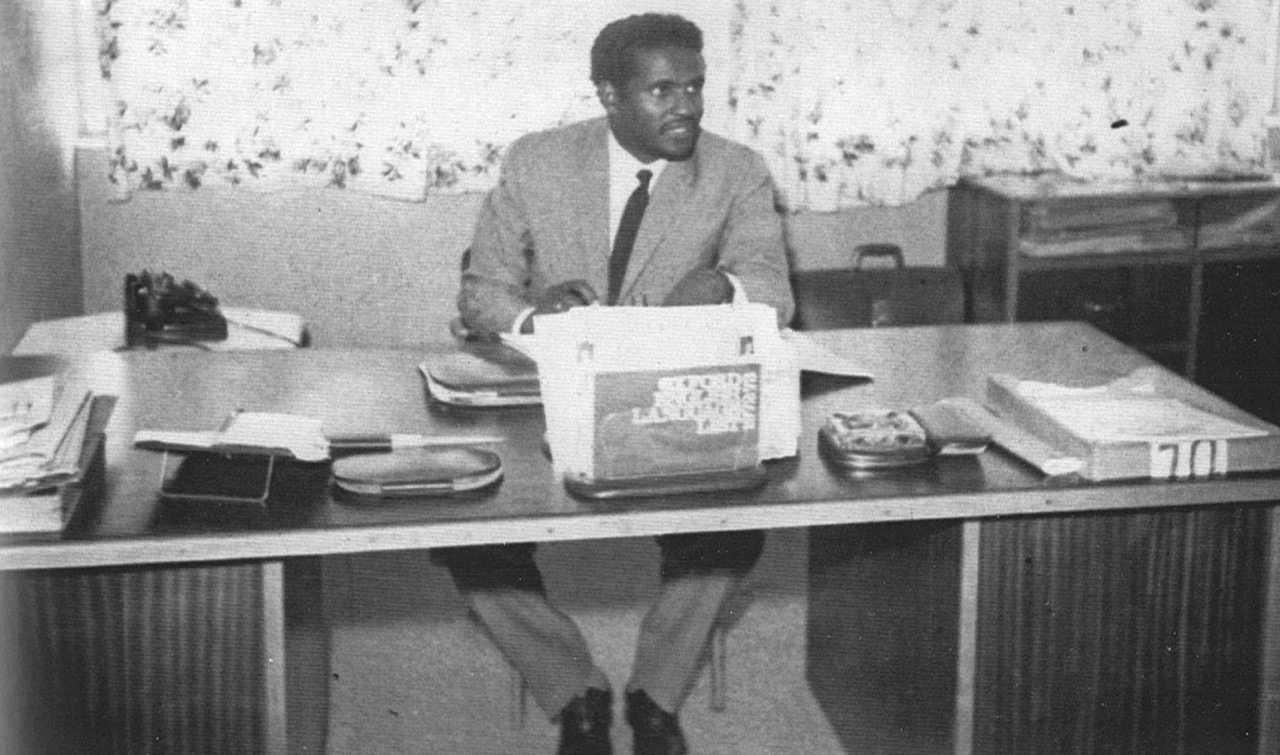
(639, 207)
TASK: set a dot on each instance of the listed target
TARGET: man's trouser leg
(699, 572)
(503, 587)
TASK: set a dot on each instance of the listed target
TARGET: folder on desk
(482, 374)
(1149, 423)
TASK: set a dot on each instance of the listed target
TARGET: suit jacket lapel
(667, 201)
(590, 199)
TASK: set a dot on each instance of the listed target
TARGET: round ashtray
(877, 439)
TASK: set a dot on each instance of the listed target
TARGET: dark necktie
(626, 238)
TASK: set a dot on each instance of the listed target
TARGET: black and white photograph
(639, 377)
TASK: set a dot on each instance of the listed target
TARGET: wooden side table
(1167, 291)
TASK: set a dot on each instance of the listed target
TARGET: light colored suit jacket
(547, 221)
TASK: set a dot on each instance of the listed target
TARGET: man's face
(656, 114)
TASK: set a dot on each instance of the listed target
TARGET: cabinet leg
(296, 657)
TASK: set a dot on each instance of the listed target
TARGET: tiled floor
(410, 674)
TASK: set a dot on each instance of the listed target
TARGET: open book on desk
(248, 433)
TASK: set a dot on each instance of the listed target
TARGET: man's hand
(561, 297)
(566, 295)
(701, 286)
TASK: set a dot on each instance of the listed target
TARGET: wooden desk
(383, 392)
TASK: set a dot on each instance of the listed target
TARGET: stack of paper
(42, 427)
(1110, 413)
(1256, 225)
(1098, 216)
(26, 402)
(1102, 226)
(1146, 424)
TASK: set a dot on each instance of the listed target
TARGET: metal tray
(876, 439)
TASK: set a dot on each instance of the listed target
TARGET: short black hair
(613, 52)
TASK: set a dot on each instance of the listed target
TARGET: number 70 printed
(1188, 459)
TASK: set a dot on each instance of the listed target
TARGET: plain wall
(366, 271)
(39, 222)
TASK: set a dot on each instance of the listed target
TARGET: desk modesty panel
(382, 392)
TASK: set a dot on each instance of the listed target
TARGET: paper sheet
(25, 405)
(51, 453)
(1130, 409)
(1017, 441)
(263, 432)
(1110, 418)
(812, 356)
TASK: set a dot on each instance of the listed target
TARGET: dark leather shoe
(657, 732)
(585, 722)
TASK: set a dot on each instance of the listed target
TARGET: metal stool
(719, 667)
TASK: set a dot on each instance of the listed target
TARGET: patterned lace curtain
(862, 102)
(383, 95)
(395, 97)
(877, 101)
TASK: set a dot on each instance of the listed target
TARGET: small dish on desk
(874, 439)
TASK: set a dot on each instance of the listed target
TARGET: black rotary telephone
(159, 310)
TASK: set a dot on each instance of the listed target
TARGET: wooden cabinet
(193, 658)
(1186, 271)
(1137, 632)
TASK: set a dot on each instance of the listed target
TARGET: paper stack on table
(42, 427)
(27, 391)
(1102, 226)
(1246, 221)
(1146, 424)
(1116, 412)
(46, 451)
